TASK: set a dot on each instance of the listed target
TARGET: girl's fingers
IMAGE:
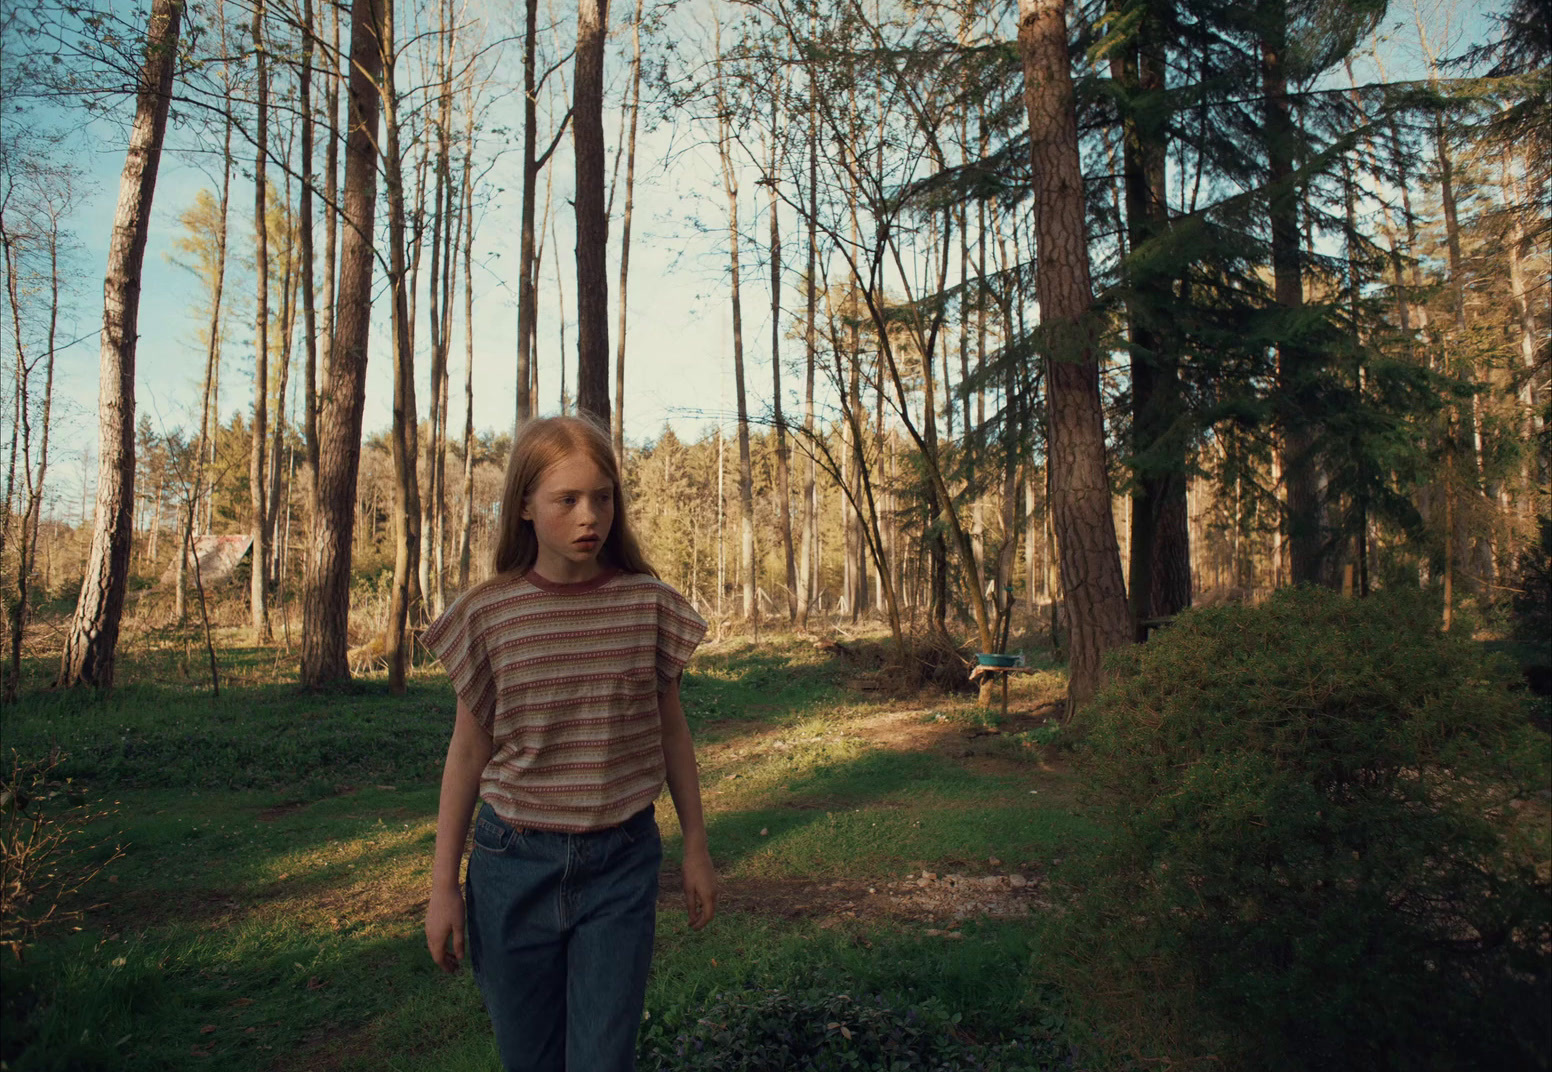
(701, 905)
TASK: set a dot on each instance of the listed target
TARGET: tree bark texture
(746, 567)
(305, 229)
(26, 551)
(1160, 574)
(527, 298)
(1080, 500)
(1296, 368)
(807, 571)
(90, 646)
(261, 346)
(783, 473)
(403, 435)
(467, 521)
(207, 394)
(326, 610)
(331, 217)
(257, 604)
(592, 218)
(625, 237)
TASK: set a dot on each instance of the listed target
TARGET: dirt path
(925, 897)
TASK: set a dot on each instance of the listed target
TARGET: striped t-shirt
(565, 678)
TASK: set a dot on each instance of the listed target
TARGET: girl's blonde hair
(538, 445)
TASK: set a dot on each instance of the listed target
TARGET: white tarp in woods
(218, 557)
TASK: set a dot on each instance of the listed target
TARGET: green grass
(262, 736)
(267, 911)
(775, 684)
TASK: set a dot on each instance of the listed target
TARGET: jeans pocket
(490, 833)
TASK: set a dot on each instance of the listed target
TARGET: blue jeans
(560, 938)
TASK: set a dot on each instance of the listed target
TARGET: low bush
(775, 1030)
(1329, 841)
(47, 856)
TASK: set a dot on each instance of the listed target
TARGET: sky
(679, 368)
(677, 316)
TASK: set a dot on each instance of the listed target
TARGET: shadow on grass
(771, 685)
(263, 736)
(885, 809)
(284, 998)
(224, 864)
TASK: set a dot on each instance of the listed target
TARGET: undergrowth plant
(47, 857)
(780, 1030)
(1328, 843)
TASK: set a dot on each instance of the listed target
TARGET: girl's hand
(700, 887)
(444, 920)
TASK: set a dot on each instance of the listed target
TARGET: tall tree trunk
(257, 603)
(326, 612)
(1451, 221)
(290, 282)
(1160, 582)
(468, 333)
(406, 486)
(528, 269)
(564, 399)
(856, 567)
(26, 551)
(783, 477)
(331, 217)
(305, 229)
(746, 566)
(592, 218)
(91, 643)
(1517, 247)
(808, 570)
(1085, 527)
(212, 362)
(1296, 367)
(445, 223)
(1477, 544)
(625, 237)
(1031, 541)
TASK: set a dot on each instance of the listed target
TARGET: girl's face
(571, 507)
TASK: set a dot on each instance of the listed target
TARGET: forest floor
(267, 911)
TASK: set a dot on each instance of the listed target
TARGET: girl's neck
(568, 580)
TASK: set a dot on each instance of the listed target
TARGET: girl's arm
(684, 785)
(467, 754)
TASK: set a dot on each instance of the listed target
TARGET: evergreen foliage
(1329, 839)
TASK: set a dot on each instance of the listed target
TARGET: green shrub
(773, 1030)
(1329, 843)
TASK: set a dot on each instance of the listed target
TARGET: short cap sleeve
(679, 631)
(456, 639)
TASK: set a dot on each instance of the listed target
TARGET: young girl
(566, 665)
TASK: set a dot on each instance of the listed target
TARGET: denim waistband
(645, 815)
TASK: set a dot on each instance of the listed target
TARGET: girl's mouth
(586, 541)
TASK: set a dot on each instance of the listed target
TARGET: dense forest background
(1294, 331)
